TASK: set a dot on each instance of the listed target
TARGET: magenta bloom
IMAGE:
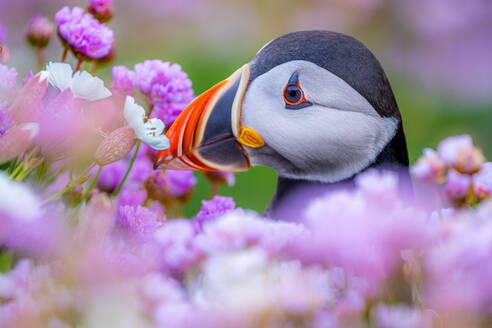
(101, 9)
(457, 186)
(168, 86)
(459, 153)
(85, 34)
(179, 182)
(8, 80)
(6, 119)
(111, 175)
(214, 208)
(40, 31)
(429, 167)
(139, 220)
(123, 79)
(482, 181)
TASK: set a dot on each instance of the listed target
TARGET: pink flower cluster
(460, 166)
(83, 33)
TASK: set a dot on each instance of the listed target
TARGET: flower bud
(457, 187)
(40, 31)
(17, 140)
(102, 10)
(221, 178)
(115, 146)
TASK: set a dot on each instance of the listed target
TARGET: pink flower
(429, 167)
(139, 220)
(84, 34)
(17, 140)
(459, 153)
(123, 79)
(101, 9)
(457, 186)
(214, 208)
(482, 181)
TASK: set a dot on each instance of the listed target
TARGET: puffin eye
(293, 94)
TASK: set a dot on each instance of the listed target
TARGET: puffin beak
(207, 135)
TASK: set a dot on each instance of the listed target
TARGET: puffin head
(312, 105)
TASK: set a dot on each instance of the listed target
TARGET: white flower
(82, 84)
(149, 131)
(17, 201)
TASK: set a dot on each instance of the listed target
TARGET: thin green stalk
(118, 189)
(17, 170)
(26, 173)
(92, 184)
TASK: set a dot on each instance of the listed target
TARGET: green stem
(17, 170)
(118, 189)
(91, 186)
(28, 171)
(61, 192)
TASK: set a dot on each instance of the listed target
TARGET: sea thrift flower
(214, 208)
(8, 79)
(6, 119)
(429, 167)
(459, 153)
(101, 9)
(169, 88)
(17, 140)
(123, 79)
(115, 146)
(83, 33)
(457, 186)
(40, 31)
(111, 175)
(82, 84)
(29, 98)
(149, 131)
(139, 220)
(482, 181)
(179, 183)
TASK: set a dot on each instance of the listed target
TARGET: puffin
(315, 106)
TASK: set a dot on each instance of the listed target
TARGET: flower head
(169, 88)
(6, 119)
(482, 181)
(149, 131)
(457, 186)
(40, 31)
(178, 182)
(101, 9)
(83, 33)
(215, 207)
(429, 167)
(8, 79)
(123, 79)
(82, 84)
(139, 220)
(459, 153)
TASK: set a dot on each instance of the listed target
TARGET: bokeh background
(437, 54)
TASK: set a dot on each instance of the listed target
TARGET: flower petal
(60, 75)
(88, 87)
(134, 114)
(159, 142)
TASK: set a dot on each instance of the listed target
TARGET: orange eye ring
(294, 95)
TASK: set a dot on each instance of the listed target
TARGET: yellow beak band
(250, 138)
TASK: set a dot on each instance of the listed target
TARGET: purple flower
(459, 153)
(457, 186)
(131, 196)
(123, 78)
(400, 316)
(214, 208)
(429, 167)
(139, 220)
(101, 9)
(40, 31)
(482, 181)
(179, 182)
(85, 34)
(169, 88)
(8, 80)
(142, 168)
(6, 118)
(65, 15)
(111, 175)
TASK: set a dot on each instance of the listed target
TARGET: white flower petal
(60, 75)
(134, 115)
(150, 131)
(88, 87)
